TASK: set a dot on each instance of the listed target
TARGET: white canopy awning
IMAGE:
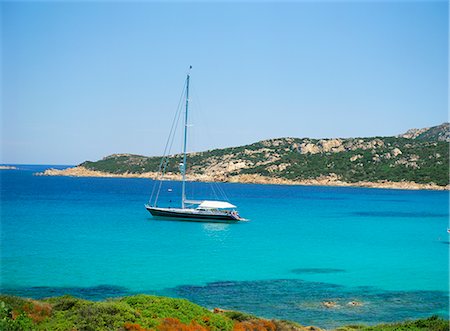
(193, 202)
(216, 204)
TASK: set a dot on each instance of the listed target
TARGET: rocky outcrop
(396, 152)
(439, 133)
(355, 157)
(330, 304)
(338, 145)
(413, 133)
(291, 326)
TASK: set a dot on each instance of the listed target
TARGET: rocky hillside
(419, 156)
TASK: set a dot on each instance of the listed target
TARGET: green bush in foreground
(145, 312)
(433, 323)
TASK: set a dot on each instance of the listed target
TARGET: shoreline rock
(331, 180)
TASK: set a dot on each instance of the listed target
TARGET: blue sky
(83, 80)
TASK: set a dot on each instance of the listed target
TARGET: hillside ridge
(419, 156)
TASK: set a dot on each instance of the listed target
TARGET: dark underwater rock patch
(99, 292)
(302, 301)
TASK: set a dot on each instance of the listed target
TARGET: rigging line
(215, 186)
(160, 174)
(203, 115)
(166, 146)
(192, 139)
(167, 157)
(167, 143)
(214, 191)
(222, 191)
(224, 194)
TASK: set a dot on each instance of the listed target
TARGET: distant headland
(6, 167)
(417, 159)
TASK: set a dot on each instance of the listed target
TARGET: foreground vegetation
(421, 156)
(433, 323)
(145, 312)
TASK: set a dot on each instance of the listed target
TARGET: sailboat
(210, 211)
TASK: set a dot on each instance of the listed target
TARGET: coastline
(143, 312)
(331, 180)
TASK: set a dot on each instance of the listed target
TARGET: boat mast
(183, 170)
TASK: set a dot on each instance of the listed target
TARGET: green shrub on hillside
(433, 323)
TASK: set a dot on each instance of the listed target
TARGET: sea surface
(93, 238)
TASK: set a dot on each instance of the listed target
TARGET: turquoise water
(92, 237)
